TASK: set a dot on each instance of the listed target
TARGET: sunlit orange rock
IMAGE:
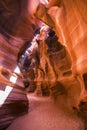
(62, 69)
(69, 21)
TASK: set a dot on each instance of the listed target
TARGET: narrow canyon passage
(43, 64)
(45, 114)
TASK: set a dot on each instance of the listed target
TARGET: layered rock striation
(17, 26)
(55, 61)
(68, 20)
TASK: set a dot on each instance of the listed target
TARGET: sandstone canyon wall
(57, 66)
(70, 25)
(69, 20)
(17, 25)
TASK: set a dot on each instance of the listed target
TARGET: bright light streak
(8, 89)
(44, 1)
(17, 70)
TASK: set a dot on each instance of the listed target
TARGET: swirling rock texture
(57, 67)
(17, 25)
(69, 20)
